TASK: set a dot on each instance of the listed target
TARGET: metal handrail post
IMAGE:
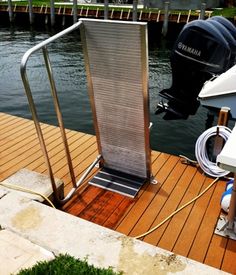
(38, 128)
(58, 113)
(32, 106)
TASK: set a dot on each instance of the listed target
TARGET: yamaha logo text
(189, 49)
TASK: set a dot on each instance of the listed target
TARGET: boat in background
(220, 91)
(203, 50)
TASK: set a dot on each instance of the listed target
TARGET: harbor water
(175, 137)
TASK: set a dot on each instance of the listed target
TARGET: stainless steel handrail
(23, 67)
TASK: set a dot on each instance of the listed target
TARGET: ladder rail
(23, 70)
(58, 113)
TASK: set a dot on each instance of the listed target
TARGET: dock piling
(106, 8)
(52, 12)
(166, 16)
(31, 15)
(10, 12)
(203, 9)
(75, 11)
(135, 10)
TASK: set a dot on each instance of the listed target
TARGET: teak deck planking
(189, 233)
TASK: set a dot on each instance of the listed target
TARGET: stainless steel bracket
(226, 229)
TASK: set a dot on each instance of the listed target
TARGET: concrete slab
(17, 253)
(33, 181)
(60, 232)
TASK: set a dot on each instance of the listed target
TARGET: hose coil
(209, 167)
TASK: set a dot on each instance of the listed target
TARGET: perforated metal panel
(117, 67)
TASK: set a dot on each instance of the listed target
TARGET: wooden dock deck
(189, 233)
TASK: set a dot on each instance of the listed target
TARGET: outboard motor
(203, 49)
(226, 23)
(228, 37)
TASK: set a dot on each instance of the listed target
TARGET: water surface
(175, 137)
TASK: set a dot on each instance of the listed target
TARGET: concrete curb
(59, 232)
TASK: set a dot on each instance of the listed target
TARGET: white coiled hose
(209, 167)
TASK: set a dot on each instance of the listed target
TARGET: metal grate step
(118, 182)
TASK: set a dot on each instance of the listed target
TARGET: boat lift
(118, 89)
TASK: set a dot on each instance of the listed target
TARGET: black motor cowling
(203, 48)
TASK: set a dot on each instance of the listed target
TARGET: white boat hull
(221, 101)
(220, 92)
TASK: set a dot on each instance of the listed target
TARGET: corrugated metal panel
(116, 57)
